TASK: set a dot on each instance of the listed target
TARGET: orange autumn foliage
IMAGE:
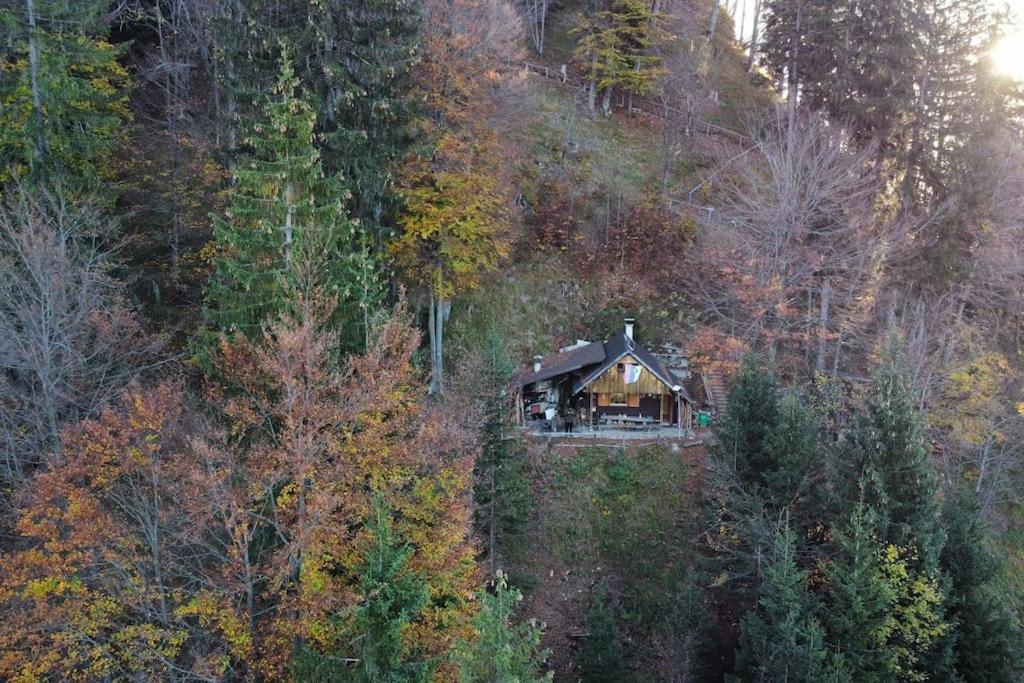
(327, 439)
(158, 545)
(95, 589)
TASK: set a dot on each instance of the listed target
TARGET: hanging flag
(632, 375)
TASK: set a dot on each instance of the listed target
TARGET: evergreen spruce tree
(685, 628)
(885, 615)
(502, 651)
(761, 470)
(985, 638)
(782, 640)
(601, 659)
(356, 63)
(285, 222)
(750, 416)
(964, 102)
(767, 438)
(615, 49)
(63, 94)
(502, 473)
(884, 460)
(791, 448)
(860, 600)
(392, 597)
(855, 60)
(904, 75)
(370, 50)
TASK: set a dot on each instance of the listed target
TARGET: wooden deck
(622, 437)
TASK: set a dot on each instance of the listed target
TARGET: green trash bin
(703, 418)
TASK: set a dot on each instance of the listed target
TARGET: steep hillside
(606, 204)
(619, 525)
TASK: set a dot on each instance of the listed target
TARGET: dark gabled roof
(562, 362)
(621, 345)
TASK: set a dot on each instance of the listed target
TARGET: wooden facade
(595, 382)
(612, 381)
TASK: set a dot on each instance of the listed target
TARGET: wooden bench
(628, 421)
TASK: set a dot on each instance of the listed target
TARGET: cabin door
(666, 409)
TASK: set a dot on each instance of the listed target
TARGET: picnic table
(628, 421)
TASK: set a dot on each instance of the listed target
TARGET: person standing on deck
(570, 420)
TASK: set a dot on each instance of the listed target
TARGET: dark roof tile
(562, 362)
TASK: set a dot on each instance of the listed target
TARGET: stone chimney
(536, 363)
(630, 322)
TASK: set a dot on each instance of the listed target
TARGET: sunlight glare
(1008, 54)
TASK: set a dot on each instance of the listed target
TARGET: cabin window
(620, 368)
(633, 400)
(618, 399)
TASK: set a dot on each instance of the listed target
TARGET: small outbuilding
(615, 383)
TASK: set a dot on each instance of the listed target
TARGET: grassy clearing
(620, 154)
(538, 305)
(621, 519)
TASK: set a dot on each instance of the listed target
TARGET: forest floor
(611, 517)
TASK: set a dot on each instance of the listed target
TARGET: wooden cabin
(616, 383)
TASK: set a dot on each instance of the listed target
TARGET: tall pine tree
(855, 60)
(761, 470)
(501, 488)
(616, 49)
(884, 460)
(356, 61)
(766, 438)
(860, 600)
(392, 596)
(885, 618)
(369, 51)
(747, 423)
(501, 649)
(286, 225)
(782, 640)
(986, 637)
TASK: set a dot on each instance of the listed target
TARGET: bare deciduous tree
(793, 258)
(68, 340)
(536, 14)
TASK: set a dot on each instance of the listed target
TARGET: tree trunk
(793, 77)
(826, 293)
(250, 591)
(754, 35)
(838, 354)
(432, 330)
(537, 11)
(436, 320)
(172, 92)
(154, 543)
(492, 531)
(543, 25)
(715, 8)
(442, 318)
(289, 200)
(37, 97)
